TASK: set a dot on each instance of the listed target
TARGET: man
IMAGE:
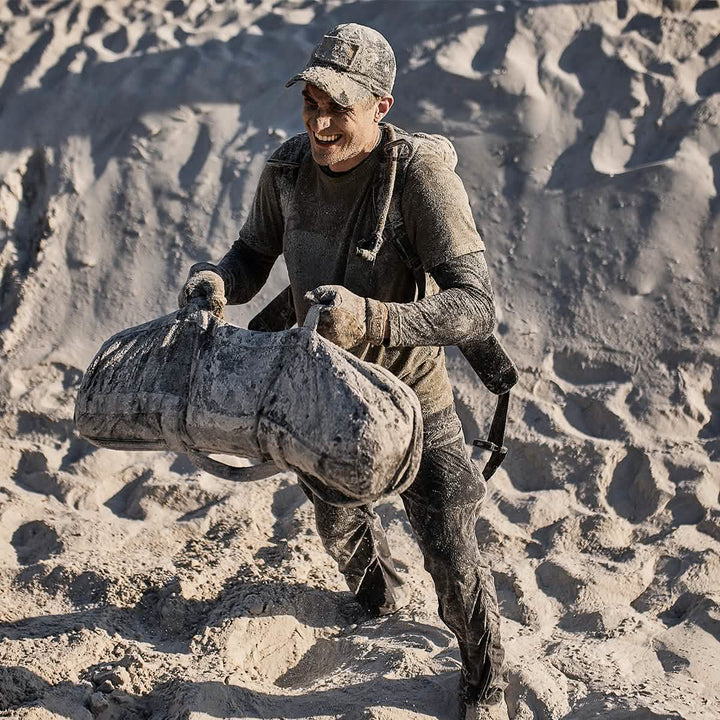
(320, 203)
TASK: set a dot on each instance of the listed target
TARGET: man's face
(341, 137)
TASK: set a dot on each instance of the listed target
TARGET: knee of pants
(446, 535)
(447, 479)
(450, 555)
(335, 524)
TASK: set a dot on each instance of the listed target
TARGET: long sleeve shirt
(316, 219)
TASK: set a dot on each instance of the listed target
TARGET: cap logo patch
(336, 51)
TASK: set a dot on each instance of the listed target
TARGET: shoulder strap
(404, 145)
(291, 153)
(496, 436)
(487, 358)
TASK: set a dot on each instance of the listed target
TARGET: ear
(383, 107)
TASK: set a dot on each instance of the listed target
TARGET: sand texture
(132, 134)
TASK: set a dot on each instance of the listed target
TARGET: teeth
(326, 138)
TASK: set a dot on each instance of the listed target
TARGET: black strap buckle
(491, 446)
(494, 443)
(404, 147)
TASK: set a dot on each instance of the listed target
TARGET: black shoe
(401, 599)
(473, 707)
(475, 710)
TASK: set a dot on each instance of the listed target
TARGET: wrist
(211, 267)
(205, 267)
(376, 322)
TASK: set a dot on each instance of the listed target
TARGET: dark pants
(442, 505)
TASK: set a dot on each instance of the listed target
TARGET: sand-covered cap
(350, 63)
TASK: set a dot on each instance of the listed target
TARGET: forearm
(462, 310)
(244, 272)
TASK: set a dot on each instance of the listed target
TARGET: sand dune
(132, 133)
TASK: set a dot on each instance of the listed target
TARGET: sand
(132, 134)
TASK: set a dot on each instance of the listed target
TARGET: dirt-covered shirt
(316, 219)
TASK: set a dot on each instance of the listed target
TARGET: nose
(319, 121)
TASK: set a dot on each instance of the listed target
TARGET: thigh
(443, 504)
(337, 521)
(447, 477)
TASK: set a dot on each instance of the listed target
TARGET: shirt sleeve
(463, 309)
(436, 212)
(246, 266)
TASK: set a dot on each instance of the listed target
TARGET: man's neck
(328, 169)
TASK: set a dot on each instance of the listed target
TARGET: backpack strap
(368, 249)
(405, 148)
(488, 357)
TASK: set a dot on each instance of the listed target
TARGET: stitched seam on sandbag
(175, 430)
(261, 403)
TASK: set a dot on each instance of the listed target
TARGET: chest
(324, 224)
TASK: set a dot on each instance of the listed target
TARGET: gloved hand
(347, 319)
(206, 286)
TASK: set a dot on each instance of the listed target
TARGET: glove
(206, 287)
(347, 319)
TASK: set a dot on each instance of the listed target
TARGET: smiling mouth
(326, 139)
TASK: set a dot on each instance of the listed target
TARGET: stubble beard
(335, 155)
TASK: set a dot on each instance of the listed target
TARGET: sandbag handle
(173, 425)
(313, 316)
(231, 472)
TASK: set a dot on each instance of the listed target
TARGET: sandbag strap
(231, 472)
(312, 319)
(494, 443)
(175, 432)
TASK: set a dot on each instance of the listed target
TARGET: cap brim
(338, 85)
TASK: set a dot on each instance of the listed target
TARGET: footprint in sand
(322, 659)
(35, 541)
(587, 410)
(593, 417)
(647, 26)
(286, 501)
(686, 509)
(509, 595)
(117, 41)
(578, 369)
(32, 473)
(557, 582)
(670, 661)
(553, 464)
(639, 487)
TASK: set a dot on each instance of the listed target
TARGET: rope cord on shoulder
(392, 152)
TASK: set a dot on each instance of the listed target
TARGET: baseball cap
(350, 63)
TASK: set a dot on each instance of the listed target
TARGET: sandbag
(193, 383)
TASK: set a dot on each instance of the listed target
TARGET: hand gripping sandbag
(193, 383)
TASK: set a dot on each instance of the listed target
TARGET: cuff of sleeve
(376, 321)
(394, 323)
(199, 267)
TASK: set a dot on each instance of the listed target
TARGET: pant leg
(355, 539)
(442, 506)
(354, 536)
